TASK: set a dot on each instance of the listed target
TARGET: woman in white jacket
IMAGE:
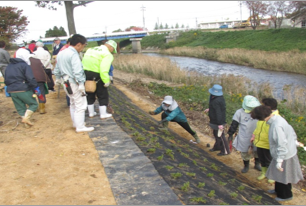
(285, 167)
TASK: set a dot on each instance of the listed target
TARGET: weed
(211, 193)
(184, 154)
(160, 158)
(176, 175)
(183, 165)
(201, 185)
(210, 174)
(241, 188)
(222, 183)
(190, 174)
(203, 169)
(151, 150)
(198, 200)
(140, 138)
(233, 195)
(257, 198)
(168, 167)
(185, 187)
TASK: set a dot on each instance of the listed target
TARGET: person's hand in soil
(151, 112)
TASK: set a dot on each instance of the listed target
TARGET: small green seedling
(210, 174)
(176, 175)
(222, 183)
(178, 141)
(257, 198)
(179, 150)
(190, 174)
(189, 150)
(211, 193)
(203, 169)
(241, 187)
(169, 152)
(195, 162)
(151, 150)
(224, 203)
(196, 154)
(232, 181)
(160, 158)
(214, 166)
(223, 174)
(198, 200)
(205, 160)
(136, 134)
(201, 185)
(140, 138)
(233, 195)
(185, 187)
(168, 167)
(157, 145)
(183, 165)
(184, 154)
(152, 128)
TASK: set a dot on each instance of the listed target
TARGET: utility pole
(143, 9)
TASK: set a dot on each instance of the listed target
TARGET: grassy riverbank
(192, 89)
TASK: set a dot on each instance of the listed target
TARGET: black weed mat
(195, 176)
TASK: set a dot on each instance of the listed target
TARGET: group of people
(262, 134)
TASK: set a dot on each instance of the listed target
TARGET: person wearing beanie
(217, 116)
(260, 139)
(172, 112)
(242, 119)
(96, 63)
(22, 53)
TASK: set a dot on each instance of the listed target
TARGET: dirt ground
(52, 164)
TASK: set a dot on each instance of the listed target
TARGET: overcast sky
(101, 16)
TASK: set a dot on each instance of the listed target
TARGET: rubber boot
(257, 164)
(103, 113)
(263, 173)
(91, 110)
(79, 119)
(42, 108)
(27, 116)
(197, 138)
(246, 166)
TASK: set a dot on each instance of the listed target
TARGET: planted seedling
(224, 203)
(223, 174)
(179, 150)
(151, 150)
(196, 154)
(198, 200)
(185, 187)
(190, 174)
(195, 162)
(189, 150)
(178, 141)
(136, 134)
(233, 195)
(183, 165)
(184, 154)
(205, 160)
(201, 185)
(160, 158)
(152, 128)
(241, 187)
(203, 169)
(168, 167)
(157, 145)
(186, 146)
(173, 146)
(222, 183)
(211, 193)
(257, 198)
(176, 175)
(140, 139)
(210, 174)
(169, 152)
(232, 181)
(144, 143)
(214, 166)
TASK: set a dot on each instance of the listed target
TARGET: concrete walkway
(132, 176)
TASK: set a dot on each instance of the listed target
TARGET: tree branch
(82, 3)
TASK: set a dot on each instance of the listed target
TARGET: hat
(168, 100)
(39, 43)
(249, 103)
(216, 90)
(56, 39)
(20, 44)
(113, 44)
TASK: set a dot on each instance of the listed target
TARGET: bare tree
(298, 13)
(277, 10)
(69, 5)
(258, 9)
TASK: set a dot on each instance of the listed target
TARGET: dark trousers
(185, 125)
(283, 191)
(101, 92)
(264, 156)
(221, 143)
(50, 84)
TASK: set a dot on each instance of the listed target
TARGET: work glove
(37, 91)
(279, 164)
(58, 82)
(107, 84)
(81, 87)
(161, 122)
(151, 112)
(299, 144)
(111, 79)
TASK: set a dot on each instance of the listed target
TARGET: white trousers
(78, 103)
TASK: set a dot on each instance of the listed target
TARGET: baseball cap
(113, 44)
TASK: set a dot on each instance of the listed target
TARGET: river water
(277, 80)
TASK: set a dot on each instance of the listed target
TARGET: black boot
(257, 164)
(246, 166)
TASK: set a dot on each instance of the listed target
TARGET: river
(277, 80)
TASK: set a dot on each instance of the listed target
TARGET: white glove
(299, 144)
(279, 164)
(107, 84)
(58, 82)
(81, 87)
